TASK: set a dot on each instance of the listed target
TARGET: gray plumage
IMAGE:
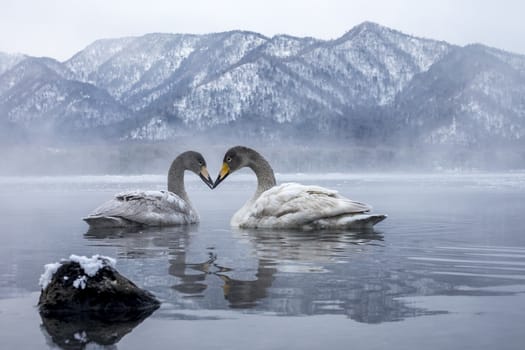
(154, 208)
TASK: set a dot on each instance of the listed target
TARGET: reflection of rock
(92, 286)
(77, 332)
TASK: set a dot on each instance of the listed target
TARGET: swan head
(195, 162)
(235, 158)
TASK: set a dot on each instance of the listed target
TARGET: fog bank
(129, 158)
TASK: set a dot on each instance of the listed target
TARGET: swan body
(154, 208)
(292, 205)
(148, 208)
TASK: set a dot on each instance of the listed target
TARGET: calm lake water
(446, 270)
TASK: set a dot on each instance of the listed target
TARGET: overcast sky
(59, 28)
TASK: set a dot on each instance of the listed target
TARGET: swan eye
(229, 159)
(200, 162)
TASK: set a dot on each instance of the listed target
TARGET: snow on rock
(81, 337)
(93, 264)
(80, 282)
(49, 271)
(90, 266)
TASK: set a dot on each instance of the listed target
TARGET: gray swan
(291, 205)
(155, 208)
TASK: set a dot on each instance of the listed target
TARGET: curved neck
(263, 171)
(176, 179)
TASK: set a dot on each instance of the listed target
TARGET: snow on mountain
(87, 61)
(156, 129)
(140, 70)
(371, 84)
(36, 93)
(286, 45)
(312, 79)
(374, 63)
(212, 55)
(514, 60)
(7, 61)
(125, 62)
(469, 97)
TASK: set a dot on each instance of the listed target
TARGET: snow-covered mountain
(7, 61)
(473, 96)
(372, 85)
(41, 98)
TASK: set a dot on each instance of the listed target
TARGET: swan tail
(361, 220)
(349, 221)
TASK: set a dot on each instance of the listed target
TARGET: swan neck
(264, 173)
(176, 179)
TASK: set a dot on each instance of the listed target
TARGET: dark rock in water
(77, 331)
(94, 288)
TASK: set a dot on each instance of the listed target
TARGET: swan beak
(205, 176)
(225, 171)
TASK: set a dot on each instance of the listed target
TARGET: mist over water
(285, 156)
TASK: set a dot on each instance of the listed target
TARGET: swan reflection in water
(281, 245)
(239, 293)
(284, 272)
(290, 255)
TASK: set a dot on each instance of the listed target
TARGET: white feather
(292, 205)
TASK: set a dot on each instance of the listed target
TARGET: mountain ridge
(372, 85)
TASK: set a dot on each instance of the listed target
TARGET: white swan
(291, 205)
(155, 208)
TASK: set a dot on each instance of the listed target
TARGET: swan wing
(144, 207)
(295, 205)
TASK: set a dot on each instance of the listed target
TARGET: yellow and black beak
(205, 176)
(225, 171)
